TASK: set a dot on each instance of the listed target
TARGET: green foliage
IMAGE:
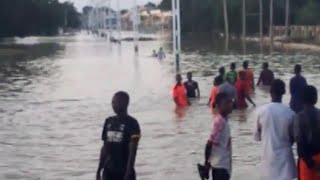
(35, 17)
(207, 15)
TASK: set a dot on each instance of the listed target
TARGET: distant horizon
(124, 4)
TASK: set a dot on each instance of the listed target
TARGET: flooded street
(54, 99)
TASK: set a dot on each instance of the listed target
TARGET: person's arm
(260, 78)
(175, 99)
(252, 82)
(257, 131)
(135, 135)
(291, 87)
(198, 90)
(101, 162)
(207, 153)
(133, 146)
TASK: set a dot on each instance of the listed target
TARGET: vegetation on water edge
(36, 17)
(207, 15)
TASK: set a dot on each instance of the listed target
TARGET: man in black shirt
(191, 87)
(121, 135)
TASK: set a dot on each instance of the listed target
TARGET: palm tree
(261, 22)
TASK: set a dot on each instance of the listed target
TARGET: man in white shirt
(274, 129)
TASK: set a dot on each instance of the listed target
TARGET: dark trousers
(220, 174)
(114, 175)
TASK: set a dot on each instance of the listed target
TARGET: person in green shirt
(232, 74)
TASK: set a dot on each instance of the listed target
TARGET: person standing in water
(232, 74)
(242, 87)
(218, 150)
(307, 135)
(222, 73)
(179, 93)
(274, 127)
(249, 75)
(191, 87)
(297, 83)
(161, 54)
(154, 53)
(215, 90)
(228, 88)
(266, 75)
(120, 136)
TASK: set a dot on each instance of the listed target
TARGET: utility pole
(136, 26)
(176, 30)
(244, 22)
(226, 22)
(261, 23)
(287, 17)
(271, 26)
(119, 20)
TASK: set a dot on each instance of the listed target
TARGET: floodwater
(55, 97)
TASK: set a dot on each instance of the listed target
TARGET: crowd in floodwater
(277, 126)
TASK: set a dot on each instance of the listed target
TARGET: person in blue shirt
(297, 84)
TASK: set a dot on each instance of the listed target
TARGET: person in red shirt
(243, 91)
(180, 93)
(249, 75)
(215, 90)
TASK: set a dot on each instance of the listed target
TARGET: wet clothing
(213, 95)
(266, 77)
(228, 89)
(307, 135)
(249, 77)
(274, 128)
(242, 90)
(179, 92)
(220, 174)
(108, 175)
(191, 88)
(232, 75)
(220, 137)
(297, 84)
(117, 133)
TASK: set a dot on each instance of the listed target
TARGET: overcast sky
(123, 3)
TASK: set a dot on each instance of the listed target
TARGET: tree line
(208, 15)
(36, 17)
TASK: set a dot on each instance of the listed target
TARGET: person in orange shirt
(215, 90)
(243, 91)
(249, 75)
(180, 93)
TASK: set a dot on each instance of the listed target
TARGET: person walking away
(242, 87)
(297, 83)
(191, 87)
(161, 54)
(249, 75)
(266, 75)
(307, 135)
(121, 135)
(218, 150)
(228, 88)
(222, 73)
(179, 93)
(215, 90)
(274, 128)
(232, 74)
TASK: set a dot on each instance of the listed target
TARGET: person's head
(242, 75)
(189, 76)
(245, 64)
(218, 81)
(233, 66)
(222, 71)
(297, 69)
(154, 51)
(265, 65)
(120, 102)
(310, 96)
(223, 104)
(178, 78)
(161, 49)
(277, 90)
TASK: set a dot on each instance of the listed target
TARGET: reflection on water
(54, 101)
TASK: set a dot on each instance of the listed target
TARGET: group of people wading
(277, 126)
